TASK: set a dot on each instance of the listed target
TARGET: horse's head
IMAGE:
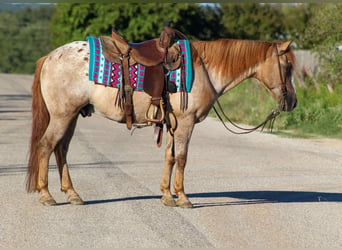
(276, 75)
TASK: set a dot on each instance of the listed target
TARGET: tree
(135, 22)
(253, 21)
(24, 37)
(324, 28)
(324, 32)
(8, 28)
(296, 18)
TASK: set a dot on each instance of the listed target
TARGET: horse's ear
(284, 47)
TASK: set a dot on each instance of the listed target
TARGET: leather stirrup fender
(128, 92)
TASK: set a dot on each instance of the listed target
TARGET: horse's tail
(40, 122)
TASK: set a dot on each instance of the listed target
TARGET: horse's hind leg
(53, 134)
(44, 153)
(61, 151)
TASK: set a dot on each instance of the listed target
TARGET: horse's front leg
(167, 198)
(181, 152)
(176, 152)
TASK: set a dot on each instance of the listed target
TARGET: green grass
(318, 113)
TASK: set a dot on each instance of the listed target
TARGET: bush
(317, 112)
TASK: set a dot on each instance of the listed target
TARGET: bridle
(272, 116)
(287, 71)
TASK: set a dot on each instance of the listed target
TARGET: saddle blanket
(104, 72)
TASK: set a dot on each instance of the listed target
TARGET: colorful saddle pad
(101, 71)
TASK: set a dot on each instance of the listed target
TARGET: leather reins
(270, 118)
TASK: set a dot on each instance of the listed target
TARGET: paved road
(256, 190)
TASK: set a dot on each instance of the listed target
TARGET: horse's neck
(223, 82)
(219, 67)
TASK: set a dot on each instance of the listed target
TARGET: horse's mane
(231, 57)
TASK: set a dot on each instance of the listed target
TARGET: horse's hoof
(184, 203)
(75, 200)
(168, 201)
(47, 201)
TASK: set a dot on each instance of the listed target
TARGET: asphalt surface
(256, 190)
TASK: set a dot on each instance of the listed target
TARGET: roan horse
(60, 91)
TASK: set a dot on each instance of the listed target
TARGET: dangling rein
(270, 118)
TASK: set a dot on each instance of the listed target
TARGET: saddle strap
(128, 92)
(158, 130)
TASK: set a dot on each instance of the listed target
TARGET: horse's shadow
(241, 198)
(260, 197)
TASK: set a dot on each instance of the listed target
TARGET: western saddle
(155, 55)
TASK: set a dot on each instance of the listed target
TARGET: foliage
(325, 34)
(295, 20)
(252, 21)
(267, 22)
(318, 112)
(135, 22)
(24, 37)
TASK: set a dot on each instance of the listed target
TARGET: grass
(318, 113)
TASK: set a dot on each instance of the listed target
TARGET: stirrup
(162, 113)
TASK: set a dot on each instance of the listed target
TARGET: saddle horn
(167, 37)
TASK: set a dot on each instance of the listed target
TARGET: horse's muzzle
(289, 104)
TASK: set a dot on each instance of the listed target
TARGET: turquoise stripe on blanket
(182, 77)
(91, 60)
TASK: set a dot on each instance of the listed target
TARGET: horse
(61, 90)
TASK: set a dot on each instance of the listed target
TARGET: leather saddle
(156, 55)
(148, 53)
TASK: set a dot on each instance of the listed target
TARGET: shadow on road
(243, 198)
(260, 197)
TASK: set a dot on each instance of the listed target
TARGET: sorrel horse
(61, 89)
